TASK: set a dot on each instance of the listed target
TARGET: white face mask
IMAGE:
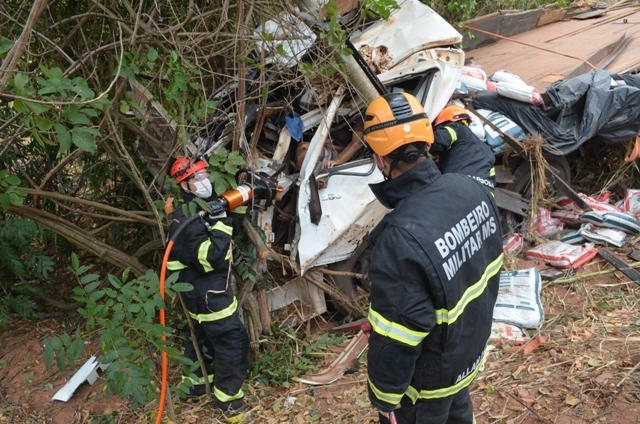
(203, 189)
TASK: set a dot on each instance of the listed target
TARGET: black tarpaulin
(581, 108)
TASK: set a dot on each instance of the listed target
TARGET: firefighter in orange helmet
(459, 150)
(434, 269)
(201, 255)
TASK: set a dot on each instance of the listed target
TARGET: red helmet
(452, 114)
(182, 168)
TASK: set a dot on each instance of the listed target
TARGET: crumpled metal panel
(349, 212)
(445, 64)
(411, 28)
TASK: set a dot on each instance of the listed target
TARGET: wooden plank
(503, 175)
(506, 24)
(511, 201)
(550, 16)
(590, 14)
(620, 264)
(602, 57)
(575, 38)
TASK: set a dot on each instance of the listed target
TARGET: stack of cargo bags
(506, 84)
(576, 232)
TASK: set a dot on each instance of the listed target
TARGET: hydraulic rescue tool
(254, 186)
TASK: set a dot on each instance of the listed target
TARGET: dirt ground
(582, 367)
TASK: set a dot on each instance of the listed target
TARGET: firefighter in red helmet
(434, 269)
(202, 254)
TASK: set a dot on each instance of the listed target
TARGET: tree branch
(80, 238)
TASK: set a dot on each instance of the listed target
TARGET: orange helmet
(394, 120)
(452, 114)
(183, 168)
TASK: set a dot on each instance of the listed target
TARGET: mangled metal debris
(87, 373)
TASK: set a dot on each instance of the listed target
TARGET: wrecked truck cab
(321, 217)
(335, 209)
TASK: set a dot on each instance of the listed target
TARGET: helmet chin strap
(387, 177)
(410, 157)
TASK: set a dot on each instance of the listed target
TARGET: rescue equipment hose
(165, 359)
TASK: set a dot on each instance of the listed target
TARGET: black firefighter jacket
(461, 151)
(201, 254)
(435, 269)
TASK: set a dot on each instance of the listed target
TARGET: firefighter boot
(233, 412)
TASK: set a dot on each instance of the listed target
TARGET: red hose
(165, 360)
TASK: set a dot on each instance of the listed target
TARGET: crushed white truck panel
(444, 64)
(349, 212)
(411, 28)
(349, 208)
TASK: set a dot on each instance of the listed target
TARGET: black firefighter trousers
(225, 348)
(456, 409)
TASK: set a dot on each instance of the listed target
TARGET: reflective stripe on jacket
(434, 269)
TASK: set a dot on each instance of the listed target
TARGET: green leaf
(48, 356)
(4, 201)
(89, 278)
(96, 294)
(18, 105)
(60, 360)
(5, 46)
(40, 139)
(56, 343)
(48, 90)
(124, 106)
(52, 73)
(138, 395)
(84, 139)
(89, 112)
(37, 107)
(43, 124)
(230, 168)
(182, 287)
(15, 198)
(91, 287)
(64, 137)
(75, 262)
(114, 281)
(220, 186)
(134, 308)
(76, 349)
(19, 81)
(152, 55)
(66, 339)
(124, 351)
(13, 180)
(75, 116)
